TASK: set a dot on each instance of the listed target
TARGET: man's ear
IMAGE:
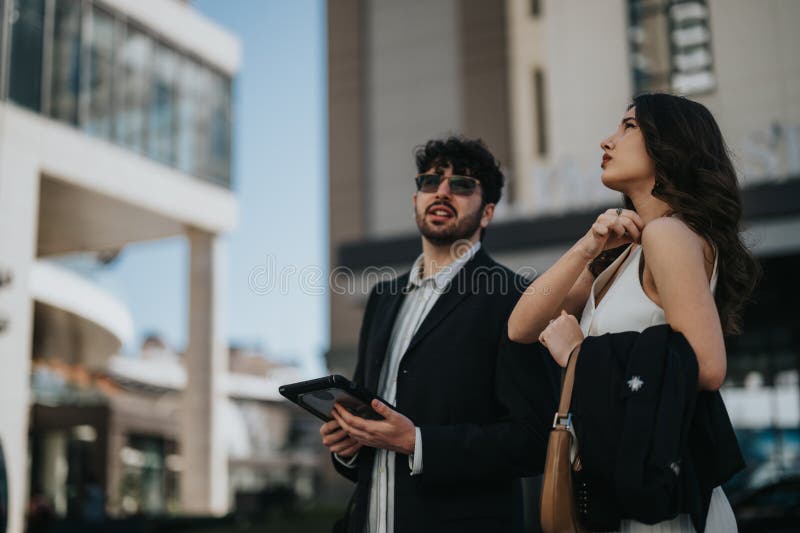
(488, 213)
(414, 201)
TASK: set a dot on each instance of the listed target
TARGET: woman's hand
(613, 228)
(561, 336)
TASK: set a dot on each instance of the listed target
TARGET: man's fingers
(382, 409)
(351, 429)
(340, 420)
(349, 452)
(343, 446)
(351, 420)
(333, 438)
(328, 427)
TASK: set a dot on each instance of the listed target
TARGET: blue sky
(280, 181)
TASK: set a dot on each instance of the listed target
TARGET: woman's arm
(566, 284)
(676, 261)
(545, 297)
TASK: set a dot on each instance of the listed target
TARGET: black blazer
(484, 405)
(651, 445)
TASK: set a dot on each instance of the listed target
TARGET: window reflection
(65, 76)
(188, 103)
(670, 46)
(220, 129)
(150, 479)
(117, 82)
(27, 30)
(131, 112)
(99, 73)
(162, 116)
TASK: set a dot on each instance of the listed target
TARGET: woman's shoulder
(673, 240)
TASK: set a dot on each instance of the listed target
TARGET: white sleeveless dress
(626, 307)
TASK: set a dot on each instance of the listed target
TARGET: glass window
(65, 78)
(25, 73)
(220, 133)
(99, 73)
(188, 103)
(130, 112)
(149, 484)
(204, 124)
(670, 46)
(117, 82)
(163, 110)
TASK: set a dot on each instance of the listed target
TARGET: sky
(280, 182)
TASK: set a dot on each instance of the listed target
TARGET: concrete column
(19, 206)
(204, 478)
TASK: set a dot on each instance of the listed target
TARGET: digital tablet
(317, 396)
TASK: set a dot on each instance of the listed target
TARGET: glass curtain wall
(134, 71)
(113, 79)
(65, 77)
(25, 68)
(99, 54)
(162, 113)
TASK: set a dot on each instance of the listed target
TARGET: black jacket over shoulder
(484, 405)
(651, 445)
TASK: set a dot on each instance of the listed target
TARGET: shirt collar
(446, 274)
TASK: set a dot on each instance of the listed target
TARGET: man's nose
(444, 188)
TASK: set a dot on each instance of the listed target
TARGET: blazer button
(404, 371)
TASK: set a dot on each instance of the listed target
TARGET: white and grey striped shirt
(421, 297)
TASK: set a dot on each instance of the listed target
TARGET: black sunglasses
(461, 185)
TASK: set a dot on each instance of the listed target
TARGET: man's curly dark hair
(468, 157)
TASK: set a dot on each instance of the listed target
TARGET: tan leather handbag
(558, 509)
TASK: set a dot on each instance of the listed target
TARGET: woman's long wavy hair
(695, 176)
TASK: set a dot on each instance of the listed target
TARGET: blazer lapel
(385, 316)
(460, 287)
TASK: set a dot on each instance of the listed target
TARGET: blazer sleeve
(351, 473)
(527, 384)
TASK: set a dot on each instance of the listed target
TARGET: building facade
(115, 128)
(542, 82)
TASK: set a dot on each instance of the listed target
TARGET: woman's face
(626, 164)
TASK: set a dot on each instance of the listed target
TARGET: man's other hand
(337, 440)
(395, 432)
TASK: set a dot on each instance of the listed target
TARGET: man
(471, 409)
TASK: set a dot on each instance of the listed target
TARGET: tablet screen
(322, 401)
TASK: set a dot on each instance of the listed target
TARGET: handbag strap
(566, 389)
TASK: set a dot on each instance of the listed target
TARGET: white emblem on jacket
(635, 383)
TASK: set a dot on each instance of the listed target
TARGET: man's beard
(447, 234)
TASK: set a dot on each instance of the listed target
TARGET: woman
(672, 255)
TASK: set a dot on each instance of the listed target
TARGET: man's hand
(396, 432)
(337, 440)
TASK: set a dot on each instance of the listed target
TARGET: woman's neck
(648, 207)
